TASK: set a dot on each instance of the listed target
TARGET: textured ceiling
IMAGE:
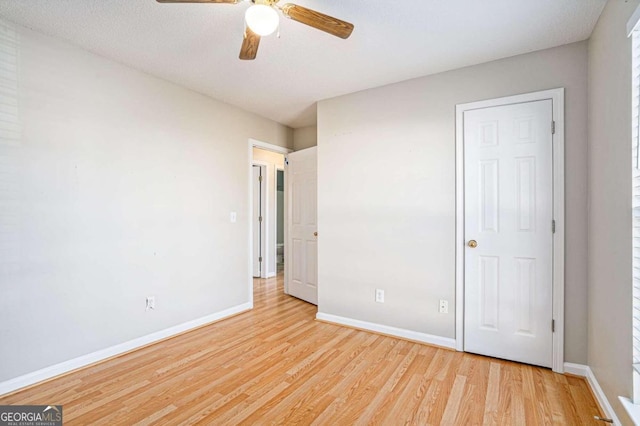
(197, 45)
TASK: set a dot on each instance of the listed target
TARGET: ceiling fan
(262, 20)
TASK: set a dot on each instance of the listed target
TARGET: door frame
(284, 216)
(268, 147)
(557, 98)
(264, 209)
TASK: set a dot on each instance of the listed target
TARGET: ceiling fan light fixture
(262, 19)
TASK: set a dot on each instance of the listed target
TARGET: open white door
(302, 236)
(508, 228)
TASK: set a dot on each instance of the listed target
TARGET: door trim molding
(557, 98)
(264, 208)
(276, 218)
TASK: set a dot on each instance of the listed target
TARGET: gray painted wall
(119, 186)
(609, 265)
(305, 137)
(386, 191)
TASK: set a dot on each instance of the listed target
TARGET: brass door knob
(473, 244)
(315, 234)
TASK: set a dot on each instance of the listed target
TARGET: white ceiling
(197, 45)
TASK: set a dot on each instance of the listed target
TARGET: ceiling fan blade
(198, 1)
(250, 44)
(326, 23)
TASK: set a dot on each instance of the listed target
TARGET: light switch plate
(150, 303)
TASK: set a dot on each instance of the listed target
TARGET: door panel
(489, 196)
(489, 271)
(302, 261)
(526, 294)
(297, 262)
(509, 211)
(525, 193)
(311, 264)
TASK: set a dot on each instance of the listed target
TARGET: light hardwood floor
(277, 365)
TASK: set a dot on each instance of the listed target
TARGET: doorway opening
(267, 213)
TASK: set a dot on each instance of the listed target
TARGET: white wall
(305, 137)
(386, 191)
(610, 265)
(272, 160)
(119, 186)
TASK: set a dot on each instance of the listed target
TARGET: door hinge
(553, 326)
(553, 127)
(259, 178)
(260, 259)
(553, 226)
(259, 218)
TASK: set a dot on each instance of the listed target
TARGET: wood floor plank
(276, 365)
(472, 412)
(455, 398)
(491, 400)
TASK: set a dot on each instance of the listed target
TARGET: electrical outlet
(379, 295)
(444, 307)
(151, 303)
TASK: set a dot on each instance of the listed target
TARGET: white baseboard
(84, 360)
(585, 371)
(633, 410)
(392, 331)
(576, 369)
